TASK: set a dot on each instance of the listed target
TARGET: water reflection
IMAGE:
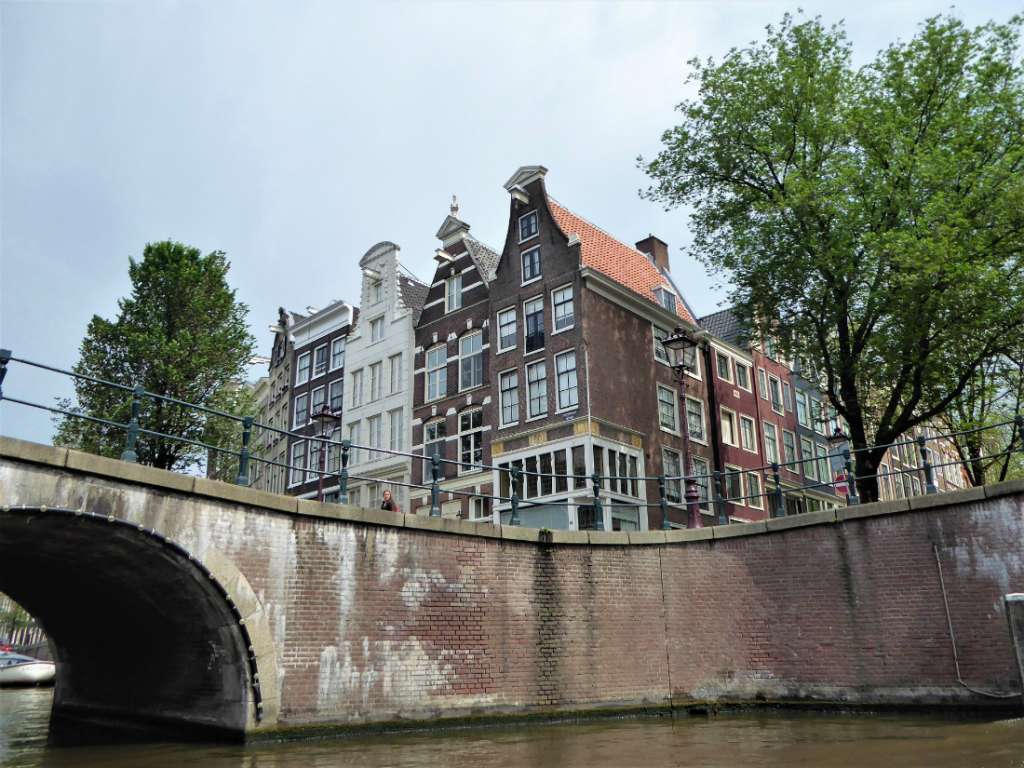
(767, 740)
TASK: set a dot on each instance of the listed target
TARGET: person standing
(388, 502)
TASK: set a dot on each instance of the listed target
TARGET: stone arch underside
(147, 642)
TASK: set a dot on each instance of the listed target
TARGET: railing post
(435, 491)
(128, 454)
(665, 524)
(851, 479)
(5, 358)
(778, 500)
(929, 474)
(598, 511)
(514, 519)
(721, 514)
(243, 456)
(346, 446)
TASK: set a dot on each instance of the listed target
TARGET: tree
(181, 333)
(871, 220)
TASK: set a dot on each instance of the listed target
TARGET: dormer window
(527, 226)
(531, 264)
(666, 298)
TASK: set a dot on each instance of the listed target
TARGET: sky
(295, 135)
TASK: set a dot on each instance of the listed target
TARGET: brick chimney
(656, 250)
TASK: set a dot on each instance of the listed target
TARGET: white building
(378, 412)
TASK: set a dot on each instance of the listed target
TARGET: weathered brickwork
(372, 616)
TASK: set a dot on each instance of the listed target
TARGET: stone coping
(114, 469)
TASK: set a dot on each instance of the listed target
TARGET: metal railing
(711, 496)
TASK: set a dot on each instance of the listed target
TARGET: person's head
(387, 495)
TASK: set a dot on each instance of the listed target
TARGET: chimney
(656, 250)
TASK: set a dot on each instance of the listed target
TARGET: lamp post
(323, 418)
(684, 354)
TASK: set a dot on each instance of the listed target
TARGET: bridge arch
(149, 641)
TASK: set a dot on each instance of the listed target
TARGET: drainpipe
(714, 415)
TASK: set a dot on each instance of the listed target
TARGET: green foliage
(871, 220)
(180, 333)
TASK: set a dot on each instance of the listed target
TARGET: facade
(379, 375)
(274, 409)
(452, 386)
(318, 381)
(571, 307)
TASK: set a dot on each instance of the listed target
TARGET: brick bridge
(175, 602)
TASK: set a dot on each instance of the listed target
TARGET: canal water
(745, 740)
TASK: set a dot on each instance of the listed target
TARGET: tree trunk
(867, 475)
(977, 466)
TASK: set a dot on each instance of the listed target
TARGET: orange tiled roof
(622, 263)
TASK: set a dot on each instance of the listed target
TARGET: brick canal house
(581, 384)
(454, 411)
(320, 341)
(274, 409)
(380, 404)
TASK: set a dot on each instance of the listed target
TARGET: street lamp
(324, 417)
(684, 358)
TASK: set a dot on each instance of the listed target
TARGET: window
(434, 434)
(537, 389)
(748, 435)
(733, 482)
(355, 437)
(320, 360)
(568, 392)
(775, 389)
(824, 470)
(527, 226)
(884, 484)
(376, 329)
(787, 396)
(742, 376)
(695, 419)
(478, 508)
(376, 374)
(762, 383)
(471, 361)
(801, 409)
(671, 466)
(357, 387)
(298, 463)
(754, 491)
(437, 372)
(533, 321)
(319, 397)
(771, 443)
(728, 427)
(667, 412)
(302, 368)
(531, 264)
(506, 330)
(337, 353)
(724, 369)
(789, 450)
(336, 395)
(314, 466)
(471, 452)
(453, 293)
(700, 469)
(375, 436)
(509, 396)
(809, 465)
(301, 410)
(376, 291)
(561, 299)
(396, 429)
(666, 298)
(660, 353)
(395, 373)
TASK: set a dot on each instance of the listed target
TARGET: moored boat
(16, 669)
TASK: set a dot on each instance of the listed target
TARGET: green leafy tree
(871, 220)
(181, 333)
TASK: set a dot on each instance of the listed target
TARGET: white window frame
(355, 437)
(334, 353)
(554, 309)
(296, 421)
(787, 396)
(529, 395)
(755, 502)
(771, 400)
(327, 361)
(293, 465)
(574, 389)
(502, 390)
(743, 418)
(357, 387)
(396, 417)
(513, 311)
(376, 371)
(522, 266)
(396, 365)
(798, 396)
(658, 345)
(375, 437)
(794, 467)
(808, 462)
(732, 469)
(735, 425)
(463, 358)
(543, 325)
(674, 400)
(703, 440)
(673, 488)
(478, 432)
(731, 378)
(377, 322)
(312, 399)
(298, 367)
(441, 370)
(340, 381)
(453, 293)
(750, 375)
(536, 228)
(765, 427)
(762, 384)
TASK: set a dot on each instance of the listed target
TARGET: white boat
(16, 669)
